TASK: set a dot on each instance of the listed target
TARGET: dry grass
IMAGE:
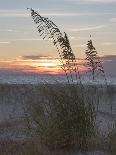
(59, 115)
(12, 123)
(63, 119)
(112, 141)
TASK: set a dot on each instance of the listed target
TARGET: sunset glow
(22, 49)
(40, 66)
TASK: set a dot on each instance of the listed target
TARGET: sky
(78, 18)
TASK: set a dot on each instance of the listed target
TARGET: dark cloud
(109, 57)
(36, 57)
(109, 63)
(32, 57)
(15, 69)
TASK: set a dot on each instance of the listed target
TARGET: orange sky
(36, 64)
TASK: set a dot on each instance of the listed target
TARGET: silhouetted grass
(64, 117)
(111, 95)
(112, 140)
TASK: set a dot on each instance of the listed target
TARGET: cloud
(80, 45)
(88, 28)
(109, 63)
(4, 42)
(22, 39)
(28, 39)
(35, 57)
(50, 13)
(113, 20)
(70, 14)
(109, 58)
(8, 30)
(109, 43)
(99, 1)
(93, 1)
(14, 13)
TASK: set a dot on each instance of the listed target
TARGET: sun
(45, 63)
(50, 66)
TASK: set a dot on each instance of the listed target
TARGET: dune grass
(112, 140)
(111, 95)
(64, 117)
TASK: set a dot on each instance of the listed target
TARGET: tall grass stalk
(47, 29)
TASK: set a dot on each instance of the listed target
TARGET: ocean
(27, 78)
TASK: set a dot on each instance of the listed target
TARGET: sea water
(27, 78)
